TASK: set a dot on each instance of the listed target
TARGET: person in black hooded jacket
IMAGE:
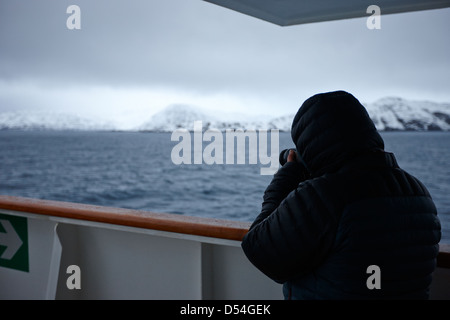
(345, 207)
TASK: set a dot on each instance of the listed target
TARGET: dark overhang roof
(292, 12)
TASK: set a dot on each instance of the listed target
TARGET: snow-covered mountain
(183, 116)
(390, 113)
(174, 117)
(50, 121)
(399, 114)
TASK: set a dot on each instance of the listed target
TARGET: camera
(284, 155)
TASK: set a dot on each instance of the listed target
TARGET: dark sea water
(135, 170)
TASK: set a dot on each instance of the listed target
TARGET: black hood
(331, 128)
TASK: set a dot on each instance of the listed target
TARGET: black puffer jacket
(320, 229)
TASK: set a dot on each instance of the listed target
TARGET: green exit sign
(14, 242)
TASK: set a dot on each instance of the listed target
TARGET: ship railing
(61, 250)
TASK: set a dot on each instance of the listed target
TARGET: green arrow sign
(14, 242)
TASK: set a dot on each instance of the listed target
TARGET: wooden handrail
(208, 227)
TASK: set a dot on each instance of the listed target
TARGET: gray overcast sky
(132, 58)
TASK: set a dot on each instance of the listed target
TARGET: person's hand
(291, 156)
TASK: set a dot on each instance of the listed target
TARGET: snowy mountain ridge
(394, 113)
(50, 121)
(183, 116)
(390, 113)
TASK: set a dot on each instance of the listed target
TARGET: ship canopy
(293, 12)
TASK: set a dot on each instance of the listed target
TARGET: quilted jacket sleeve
(294, 230)
(283, 182)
